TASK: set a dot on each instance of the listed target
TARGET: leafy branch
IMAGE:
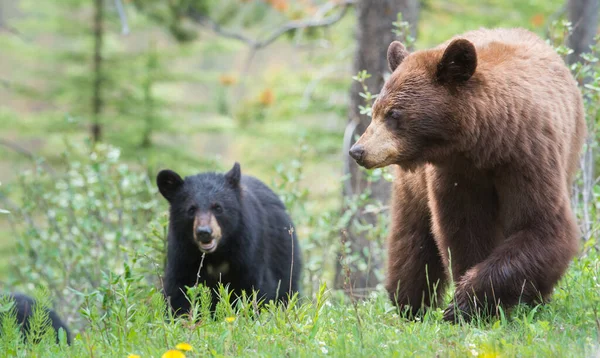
(402, 30)
(361, 77)
(257, 44)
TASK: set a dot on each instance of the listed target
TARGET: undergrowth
(324, 324)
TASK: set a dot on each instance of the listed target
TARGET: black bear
(240, 227)
(24, 306)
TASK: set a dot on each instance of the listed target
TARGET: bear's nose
(357, 152)
(204, 234)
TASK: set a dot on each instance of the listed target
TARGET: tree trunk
(374, 34)
(97, 102)
(583, 15)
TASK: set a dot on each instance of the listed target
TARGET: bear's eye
(394, 114)
(217, 208)
(192, 210)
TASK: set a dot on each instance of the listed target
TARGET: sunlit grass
(329, 325)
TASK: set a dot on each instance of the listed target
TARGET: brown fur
(207, 219)
(485, 131)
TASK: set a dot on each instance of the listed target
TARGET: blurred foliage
(128, 77)
(171, 15)
(75, 228)
(179, 15)
(441, 19)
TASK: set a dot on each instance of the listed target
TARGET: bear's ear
(234, 175)
(168, 183)
(458, 63)
(396, 53)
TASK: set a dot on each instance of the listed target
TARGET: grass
(329, 325)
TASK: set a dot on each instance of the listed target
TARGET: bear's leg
(416, 277)
(541, 239)
(465, 210)
(177, 301)
(178, 275)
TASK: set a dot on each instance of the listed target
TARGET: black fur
(255, 242)
(24, 309)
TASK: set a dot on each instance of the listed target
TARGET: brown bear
(485, 132)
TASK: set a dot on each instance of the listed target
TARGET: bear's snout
(357, 152)
(204, 234)
(377, 147)
(207, 232)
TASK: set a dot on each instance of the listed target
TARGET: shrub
(77, 225)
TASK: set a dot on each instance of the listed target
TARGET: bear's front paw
(468, 307)
(450, 314)
(455, 311)
(463, 306)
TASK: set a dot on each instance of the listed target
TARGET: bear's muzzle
(207, 232)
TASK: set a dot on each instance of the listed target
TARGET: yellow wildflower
(133, 356)
(488, 351)
(229, 319)
(489, 355)
(172, 353)
(184, 346)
